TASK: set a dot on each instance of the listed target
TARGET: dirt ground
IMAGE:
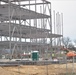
(53, 69)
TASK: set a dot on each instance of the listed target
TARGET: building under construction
(26, 25)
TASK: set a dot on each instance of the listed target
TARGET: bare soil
(53, 69)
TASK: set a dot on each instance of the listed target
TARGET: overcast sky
(68, 8)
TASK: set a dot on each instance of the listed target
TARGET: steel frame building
(26, 25)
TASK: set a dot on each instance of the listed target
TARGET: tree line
(68, 43)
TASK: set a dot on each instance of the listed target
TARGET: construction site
(29, 39)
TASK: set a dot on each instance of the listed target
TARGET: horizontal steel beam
(33, 4)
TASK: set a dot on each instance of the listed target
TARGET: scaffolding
(26, 25)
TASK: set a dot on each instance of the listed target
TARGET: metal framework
(26, 25)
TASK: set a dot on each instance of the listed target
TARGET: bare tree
(75, 42)
(71, 46)
(66, 41)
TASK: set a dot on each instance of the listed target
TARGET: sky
(68, 8)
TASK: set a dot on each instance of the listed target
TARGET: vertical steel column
(20, 29)
(36, 23)
(73, 65)
(54, 29)
(43, 23)
(1, 34)
(62, 23)
(41, 27)
(25, 24)
(43, 39)
(62, 26)
(30, 28)
(57, 27)
(60, 29)
(15, 37)
(50, 25)
(9, 15)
